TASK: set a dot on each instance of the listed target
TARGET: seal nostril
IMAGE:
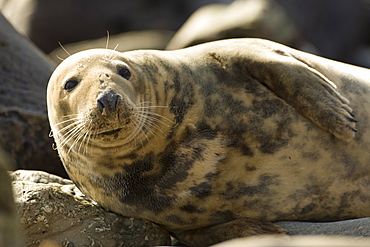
(100, 106)
(108, 102)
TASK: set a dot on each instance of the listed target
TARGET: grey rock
(355, 227)
(52, 209)
(68, 21)
(296, 241)
(24, 127)
(9, 231)
(243, 18)
(337, 28)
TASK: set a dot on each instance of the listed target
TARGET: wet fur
(218, 140)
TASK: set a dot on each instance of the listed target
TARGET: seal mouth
(110, 132)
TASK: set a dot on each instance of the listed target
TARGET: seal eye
(70, 85)
(124, 72)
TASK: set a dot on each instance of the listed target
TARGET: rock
(53, 209)
(296, 241)
(24, 127)
(9, 232)
(337, 28)
(243, 18)
(150, 39)
(68, 21)
(355, 227)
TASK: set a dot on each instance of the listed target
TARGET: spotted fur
(215, 141)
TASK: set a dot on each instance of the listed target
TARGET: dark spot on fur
(264, 107)
(347, 199)
(134, 186)
(184, 97)
(308, 208)
(255, 204)
(176, 164)
(313, 156)
(179, 157)
(131, 156)
(350, 164)
(202, 190)
(222, 216)
(250, 168)
(307, 191)
(107, 165)
(235, 190)
(174, 219)
(190, 209)
(205, 131)
(272, 142)
(210, 175)
(139, 166)
(134, 189)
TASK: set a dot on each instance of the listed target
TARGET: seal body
(218, 140)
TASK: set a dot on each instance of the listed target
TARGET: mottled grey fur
(216, 141)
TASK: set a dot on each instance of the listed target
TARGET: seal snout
(108, 102)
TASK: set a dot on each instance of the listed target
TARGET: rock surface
(338, 28)
(244, 18)
(68, 21)
(9, 232)
(296, 241)
(356, 227)
(24, 127)
(53, 209)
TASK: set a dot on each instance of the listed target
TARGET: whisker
(115, 48)
(76, 137)
(112, 55)
(134, 133)
(149, 104)
(153, 124)
(70, 115)
(61, 59)
(70, 134)
(146, 137)
(107, 44)
(64, 49)
(160, 117)
(69, 137)
(88, 139)
(54, 146)
(81, 137)
(151, 132)
(66, 121)
(153, 106)
(69, 126)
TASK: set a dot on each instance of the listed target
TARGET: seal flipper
(225, 231)
(304, 88)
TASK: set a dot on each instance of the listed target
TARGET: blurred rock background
(336, 29)
(30, 33)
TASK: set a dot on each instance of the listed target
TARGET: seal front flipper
(303, 87)
(238, 228)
